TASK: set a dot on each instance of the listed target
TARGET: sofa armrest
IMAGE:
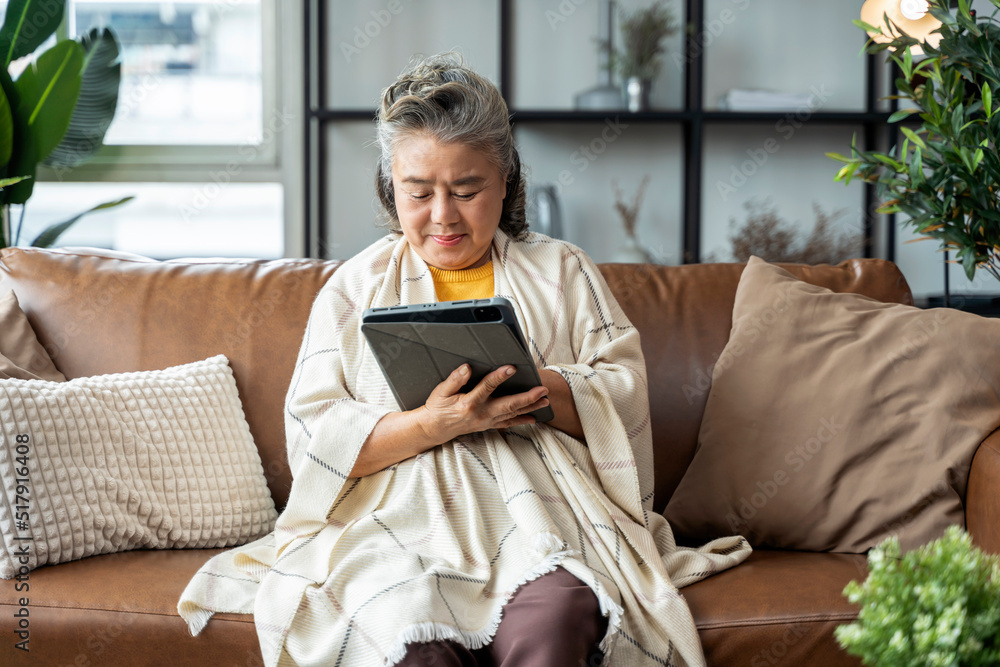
(982, 500)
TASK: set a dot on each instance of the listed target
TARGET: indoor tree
(945, 176)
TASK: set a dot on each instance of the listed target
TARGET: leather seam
(228, 261)
(989, 448)
(126, 611)
(792, 620)
(992, 447)
(708, 626)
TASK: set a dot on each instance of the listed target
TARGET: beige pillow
(154, 459)
(21, 355)
(835, 420)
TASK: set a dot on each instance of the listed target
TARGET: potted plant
(56, 111)
(936, 605)
(946, 174)
(639, 61)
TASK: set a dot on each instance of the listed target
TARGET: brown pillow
(835, 420)
(22, 357)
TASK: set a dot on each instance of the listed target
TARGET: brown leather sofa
(100, 314)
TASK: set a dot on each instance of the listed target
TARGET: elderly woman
(462, 532)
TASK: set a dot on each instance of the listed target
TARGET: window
(197, 134)
(164, 220)
(191, 71)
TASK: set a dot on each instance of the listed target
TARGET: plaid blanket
(432, 547)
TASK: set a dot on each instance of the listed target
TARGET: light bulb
(914, 10)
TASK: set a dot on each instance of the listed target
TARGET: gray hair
(442, 97)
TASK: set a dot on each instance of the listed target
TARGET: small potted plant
(639, 61)
(945, 176)
(938, 605)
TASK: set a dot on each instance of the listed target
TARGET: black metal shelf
(820, 117)
(531, 115)
(986, 305)
(692, 119)
(342, 114)
(569, 116)
(654, 116)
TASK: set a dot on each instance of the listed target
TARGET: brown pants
(553, 621)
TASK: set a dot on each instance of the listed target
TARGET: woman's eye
(464, 196)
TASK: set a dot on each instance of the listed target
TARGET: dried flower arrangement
(631, 249)
(770, 237)
(629, 213)
(642, 34)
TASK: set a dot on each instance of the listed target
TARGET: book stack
(737, 99)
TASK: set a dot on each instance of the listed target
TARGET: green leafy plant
(643, 33)
(59, 108)
(936, 606)
(946, 174)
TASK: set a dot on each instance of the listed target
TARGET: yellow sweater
(464, 283)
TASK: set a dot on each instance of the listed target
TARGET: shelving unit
(694, 121)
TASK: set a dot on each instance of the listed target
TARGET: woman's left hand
(566, 419)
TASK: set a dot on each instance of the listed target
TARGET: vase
(631, 252)
(637, 94)
(604, 96)
(543, 210)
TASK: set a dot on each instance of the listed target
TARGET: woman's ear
(386, 194)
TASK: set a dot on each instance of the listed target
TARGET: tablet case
(418, 346)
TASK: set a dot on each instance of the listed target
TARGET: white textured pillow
(155, 459)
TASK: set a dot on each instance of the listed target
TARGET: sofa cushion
(121, 609)
(776, 608)
(835, 420)
(21, 355)
(684, 314)
(153, 459)
(98, 314)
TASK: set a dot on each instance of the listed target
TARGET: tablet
(419, 345)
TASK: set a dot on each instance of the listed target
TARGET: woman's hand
(566, 419)
(448, 414)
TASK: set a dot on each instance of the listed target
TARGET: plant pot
(637, 94)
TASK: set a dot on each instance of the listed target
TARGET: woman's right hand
(448, 413)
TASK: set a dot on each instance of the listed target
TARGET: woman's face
(448, 199)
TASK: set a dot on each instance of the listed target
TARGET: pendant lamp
(912, 17)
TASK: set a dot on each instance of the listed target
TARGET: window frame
(187, 162)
